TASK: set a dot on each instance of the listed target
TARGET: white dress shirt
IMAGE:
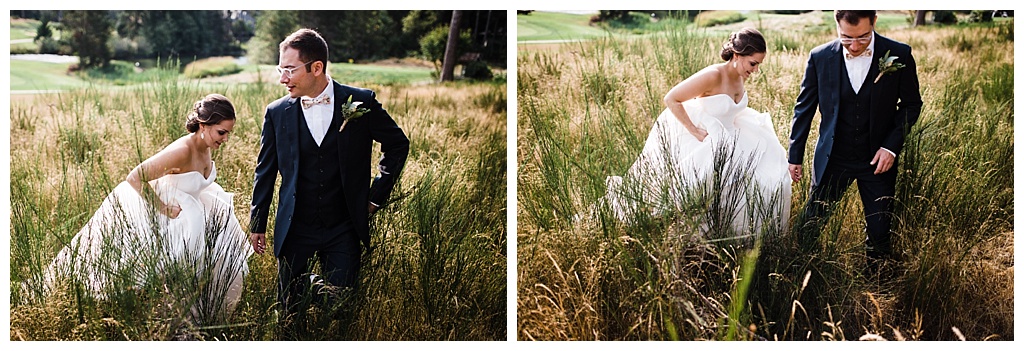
(857, 67)
(319, 116)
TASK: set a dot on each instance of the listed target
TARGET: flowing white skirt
(200, 255)
(739, 173)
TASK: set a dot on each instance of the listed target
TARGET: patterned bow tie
(866, 53)
(308, 102)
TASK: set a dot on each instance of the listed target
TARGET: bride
(167, 217)
(708, 148)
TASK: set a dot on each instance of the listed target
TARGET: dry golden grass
(68, 150)
(584, 111)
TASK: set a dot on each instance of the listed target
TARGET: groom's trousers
(877, 192)
(337, 249)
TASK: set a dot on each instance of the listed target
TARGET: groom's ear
(317, 66)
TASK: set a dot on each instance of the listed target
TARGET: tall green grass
(437, 273)
(584, 110)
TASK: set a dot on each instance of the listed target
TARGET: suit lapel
(835, 79)
(292, 117)
(881, 47)
(341, 98)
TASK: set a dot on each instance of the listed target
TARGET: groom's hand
(259, 242)
(883, 161)
(796, 172)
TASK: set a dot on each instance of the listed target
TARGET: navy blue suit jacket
(895, 102)
(279, 153)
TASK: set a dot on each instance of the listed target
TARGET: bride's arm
(696, 85)
(167, 161)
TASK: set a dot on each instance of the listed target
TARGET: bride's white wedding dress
(739, 172)
(127, 244)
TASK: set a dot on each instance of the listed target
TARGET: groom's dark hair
(854, 16)
(310, 45)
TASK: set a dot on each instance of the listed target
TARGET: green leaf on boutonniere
(351, 110)
(887, 64)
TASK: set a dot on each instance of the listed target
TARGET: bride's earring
(202, 135)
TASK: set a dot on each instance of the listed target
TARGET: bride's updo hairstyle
(211, 110)
(746, 42)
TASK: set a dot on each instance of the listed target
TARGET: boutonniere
(887, 64)
(351, 110)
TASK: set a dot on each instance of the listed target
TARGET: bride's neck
(731, 72)
(198, 145)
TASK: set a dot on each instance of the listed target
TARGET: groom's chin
(291, 93)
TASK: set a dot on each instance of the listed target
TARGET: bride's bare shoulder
(177, 151)
(182, 144)
(708, 78)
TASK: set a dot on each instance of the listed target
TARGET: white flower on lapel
(887, 64)
(351, 110)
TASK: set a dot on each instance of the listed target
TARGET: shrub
(23, 49)
(49, 46)
(944, 17)
(433, 45)
(212, 67)
(477, 70)
(714, 18)
(980, 16)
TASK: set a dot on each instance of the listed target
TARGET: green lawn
(24, 28)
(31, 75)
(561, 26)
(385, 75)
(555, 26)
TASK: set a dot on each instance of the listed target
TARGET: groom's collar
(329, 89)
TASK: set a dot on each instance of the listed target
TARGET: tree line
(100, 36)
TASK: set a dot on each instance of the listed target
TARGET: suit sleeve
(909, 107)
(394, 146)
(803, 113)
(266, 176)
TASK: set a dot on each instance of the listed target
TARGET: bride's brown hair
(211, 110)
(745, 42)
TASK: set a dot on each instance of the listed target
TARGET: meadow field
(438, 271)
(584, 111)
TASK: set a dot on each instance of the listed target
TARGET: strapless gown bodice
(719, 107)
(191, 183)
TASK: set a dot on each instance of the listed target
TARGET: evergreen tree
(356, 35)
(88, 33)
(188, 34)
(271, 28)
(43, 31)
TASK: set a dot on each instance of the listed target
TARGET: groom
(325, 198)
(864, 120)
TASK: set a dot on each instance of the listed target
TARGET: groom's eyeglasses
(862, 40)
(288, 72)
